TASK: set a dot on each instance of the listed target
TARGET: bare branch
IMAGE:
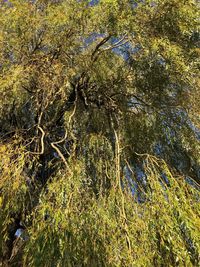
(54, 144)
(42, 143)
(99, 45)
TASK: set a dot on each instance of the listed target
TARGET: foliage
(99, 118)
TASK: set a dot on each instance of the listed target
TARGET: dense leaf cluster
(99, 142)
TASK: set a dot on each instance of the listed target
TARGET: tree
(99, 117)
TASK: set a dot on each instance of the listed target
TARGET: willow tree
(99, 118)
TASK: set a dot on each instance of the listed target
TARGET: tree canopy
(100, 130)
